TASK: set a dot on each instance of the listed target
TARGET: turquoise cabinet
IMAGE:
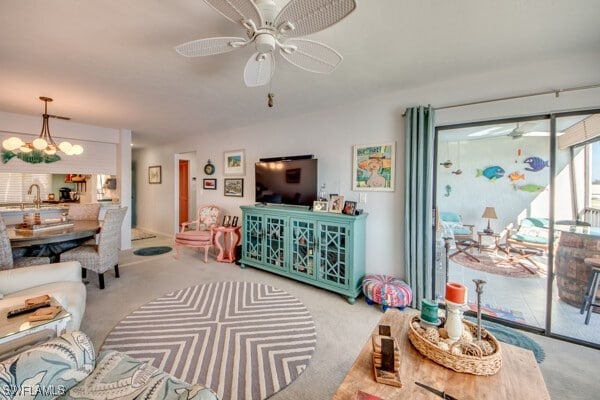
(321, 249)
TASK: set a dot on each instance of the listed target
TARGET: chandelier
(44, 141)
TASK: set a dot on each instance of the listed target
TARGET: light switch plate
(362, 198)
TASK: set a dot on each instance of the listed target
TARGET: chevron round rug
(244, 340)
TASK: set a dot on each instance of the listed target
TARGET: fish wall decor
(536, 164)
(457, 172)
(515, 176)
(492, 173)
(531, 188)
(446, 164)
(448, 190)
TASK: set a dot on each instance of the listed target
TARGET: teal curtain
(418, 193)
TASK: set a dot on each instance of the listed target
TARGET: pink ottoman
(387, 291)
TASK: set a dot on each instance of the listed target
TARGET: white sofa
(60, 280)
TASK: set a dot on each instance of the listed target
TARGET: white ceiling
(112, 63)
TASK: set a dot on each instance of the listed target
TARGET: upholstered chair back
(87, 211)
(109, 238)
(208, 216)
(6, 257)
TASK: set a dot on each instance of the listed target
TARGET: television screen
(286, 182)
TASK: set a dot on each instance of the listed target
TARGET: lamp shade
(490, 212)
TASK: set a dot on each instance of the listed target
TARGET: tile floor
(528, 296)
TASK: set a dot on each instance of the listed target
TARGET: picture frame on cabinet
(234, 162)
(209, 184)
(233, 187)
(234, 221)
(320, 206)
(336, 204)
(349, 207)
(373, 167)
(155, 174)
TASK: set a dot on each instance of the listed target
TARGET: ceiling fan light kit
(270, 29)
(44, 142)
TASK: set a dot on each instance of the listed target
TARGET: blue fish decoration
(492, 173)
(536, 164)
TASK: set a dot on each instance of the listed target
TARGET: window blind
(14, 187)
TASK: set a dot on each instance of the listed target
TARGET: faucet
(37, 201)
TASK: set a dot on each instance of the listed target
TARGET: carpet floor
(244, 340)
(568, 369)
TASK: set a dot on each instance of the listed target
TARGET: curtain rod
(556, 93)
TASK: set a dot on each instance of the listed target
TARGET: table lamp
(489, 213)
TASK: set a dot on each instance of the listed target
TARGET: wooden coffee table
(519, 377)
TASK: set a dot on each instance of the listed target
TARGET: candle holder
(479, 289)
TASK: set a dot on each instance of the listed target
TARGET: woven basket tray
(484, 365)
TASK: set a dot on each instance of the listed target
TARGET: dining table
(53, 240)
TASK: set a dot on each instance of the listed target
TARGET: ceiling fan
(269, 29)
(520, 130)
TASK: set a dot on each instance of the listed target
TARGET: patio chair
(7, 261)
(201, 234)
(453, 224)
(462, 234)
(531, 233)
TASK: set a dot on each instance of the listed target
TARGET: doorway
(184, 188)
(184, 197)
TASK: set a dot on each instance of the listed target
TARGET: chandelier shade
(44, 142)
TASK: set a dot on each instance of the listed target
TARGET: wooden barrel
(572, 275)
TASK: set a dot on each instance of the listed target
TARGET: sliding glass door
(518, 206)
(577, 224)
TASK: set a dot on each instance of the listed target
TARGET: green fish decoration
(35, 157)
(532, 188)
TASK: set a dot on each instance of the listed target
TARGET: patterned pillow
(49, 369)
(119, 376)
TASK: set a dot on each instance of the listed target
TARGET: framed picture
(234, 221)
(234, 162)
(320, 206)
(373, 167)
(336, 204)
(234, 187)
(227, 220)
(155, 174)
(209, 184)
(349, 207)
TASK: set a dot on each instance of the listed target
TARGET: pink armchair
(199, 233)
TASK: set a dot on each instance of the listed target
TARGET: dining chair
(104, 255)
(199, 233)
(84, 211)
(7, 261)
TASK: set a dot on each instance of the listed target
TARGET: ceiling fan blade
(311, 56)
(207, 47)
(259, 69)
(310, 16)
(237, 10)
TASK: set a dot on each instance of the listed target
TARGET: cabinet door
(332, 257)
(253, 237)
(274, 242)
(302, 247)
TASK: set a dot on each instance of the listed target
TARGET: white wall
(330, 135)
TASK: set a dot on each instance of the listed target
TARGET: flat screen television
(292, 182)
